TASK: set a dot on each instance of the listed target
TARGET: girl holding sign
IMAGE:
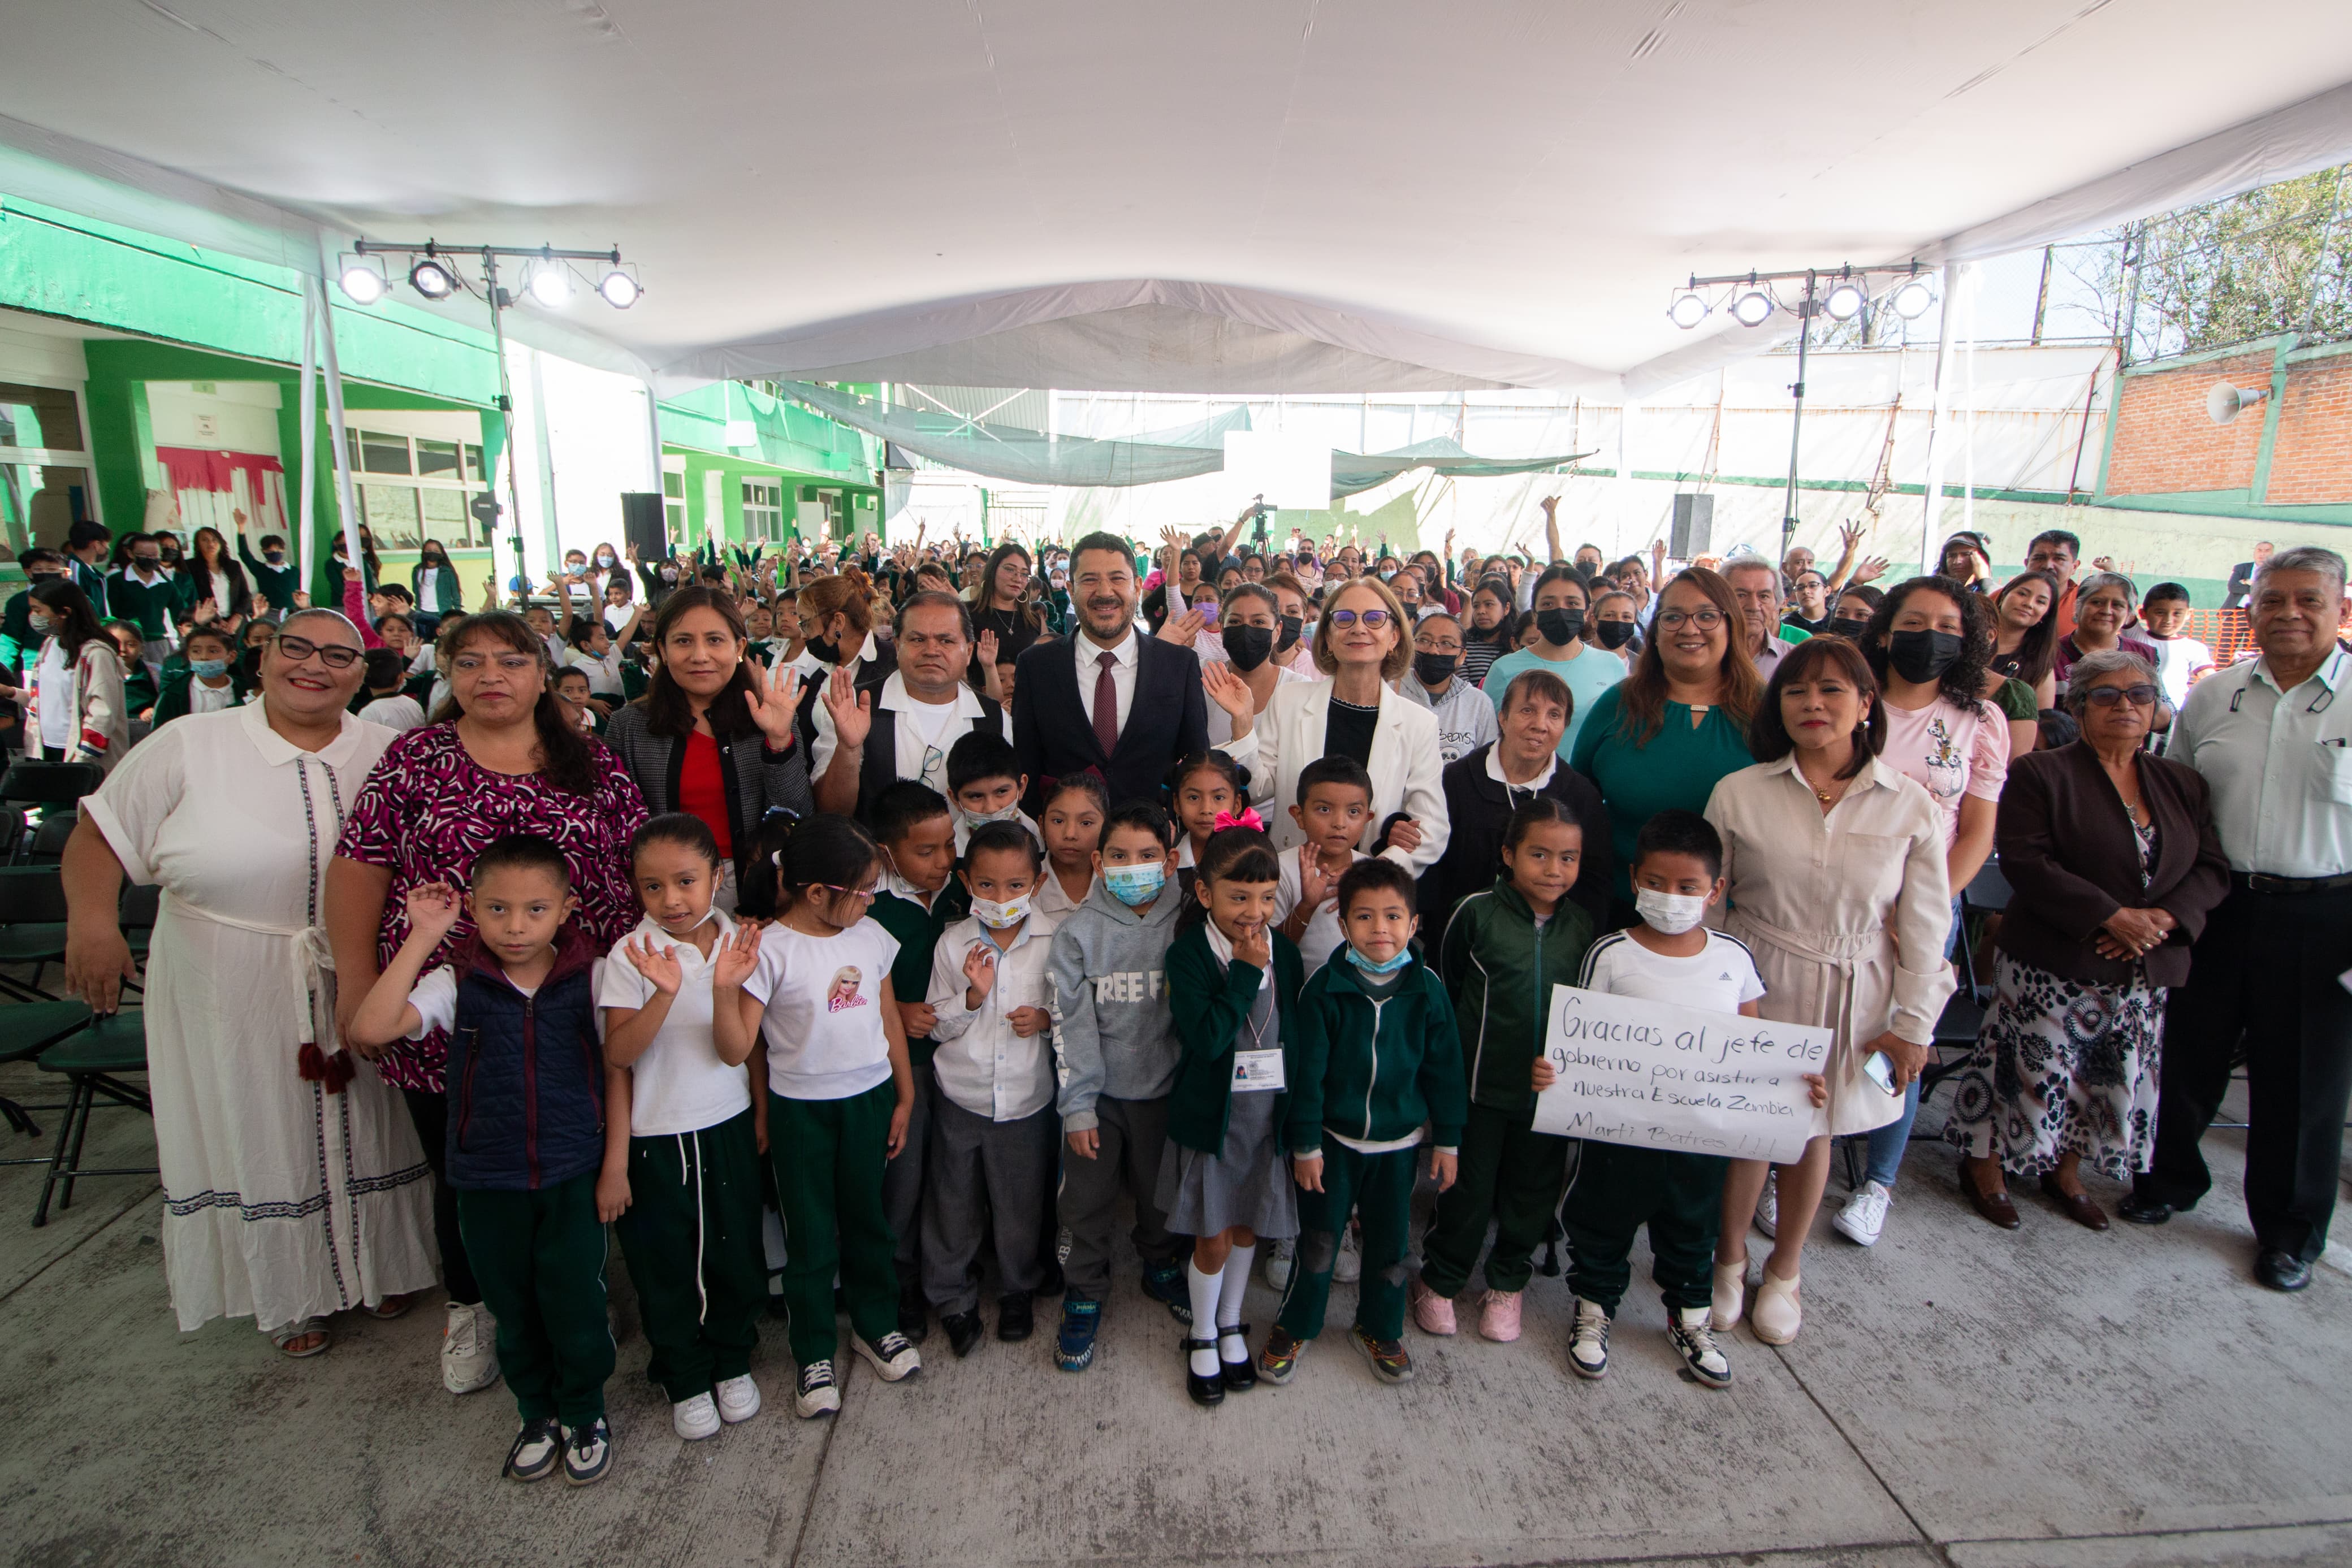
(1836, 866)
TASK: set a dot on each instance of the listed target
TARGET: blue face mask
(1403, 956)
(210, 669)
(1134, 884)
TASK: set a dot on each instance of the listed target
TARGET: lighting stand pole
(1805, 310)
(506, 405)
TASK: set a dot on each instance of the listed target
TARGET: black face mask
(1248, 646)
(824, 648)
(1616, 634)
(274, 557)
(1559, 627)
(1292, 625)
(1847, 626)
(1435, 669)
(1921, 656)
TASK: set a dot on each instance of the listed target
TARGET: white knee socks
(1229, 1303)
(1204, 1289)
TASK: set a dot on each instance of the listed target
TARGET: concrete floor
(1960, 1396)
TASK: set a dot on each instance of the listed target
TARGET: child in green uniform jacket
(1504, 951)
(1375, 1055)
(921, 898)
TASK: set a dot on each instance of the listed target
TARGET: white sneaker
(893, 1355)
(1348, 1266)
(1275, 1266)
(739, 1398)
(696, 1418)
(1588, 1342)
(1863, 1216)
(469, 1350)
(819, 1395)
(1768, 1206)
(1693, 1341)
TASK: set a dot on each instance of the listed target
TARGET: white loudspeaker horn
(2225, 402)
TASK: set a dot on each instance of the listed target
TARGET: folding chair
(46, 845)
(52, 791)
(92, 1061)
(139, 910)
(31, 926)
(26, 1032)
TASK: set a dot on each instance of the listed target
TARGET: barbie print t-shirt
(824, 1031)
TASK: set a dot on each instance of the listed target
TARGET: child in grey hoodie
(1115, 1048)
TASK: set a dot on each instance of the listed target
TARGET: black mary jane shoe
(1204, 1390)
(1238, 1376)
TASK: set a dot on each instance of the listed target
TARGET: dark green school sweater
(918, 930)
(1209, 1006)
(148, 605)
(1373, 1068)
(1501, 970)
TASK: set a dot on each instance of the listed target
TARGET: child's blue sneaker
(1164, 1283)
(1074, 1351)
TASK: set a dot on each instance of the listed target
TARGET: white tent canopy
(1235, 195)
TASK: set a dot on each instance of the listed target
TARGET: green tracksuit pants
(828, 1156)
(1379, 1188)
(1615, 1191)
(539, 1259)
(691, 1234)
(1509, 1175)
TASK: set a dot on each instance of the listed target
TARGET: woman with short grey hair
(2103, 605)
(2115, 863)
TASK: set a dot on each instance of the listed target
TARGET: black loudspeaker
(1693, 523)
(642, 525)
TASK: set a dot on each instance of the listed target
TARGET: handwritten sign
(1658, 1076)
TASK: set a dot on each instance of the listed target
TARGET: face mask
(1616, 634)
(604, 557)
(1248, 646)
(1848, 626)
(1134, 884)
(997, 916)
(1434, 669)
(1010, 814)
(41, 624)
(274, 557)
(1403, 956)
(1559, 627)
(1292, 625)
(210, 669)
(824, 648)
(1672, 912)
(146, 562)
(669, 574)
(1921, 656)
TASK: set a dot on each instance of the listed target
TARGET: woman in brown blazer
(2115, 862)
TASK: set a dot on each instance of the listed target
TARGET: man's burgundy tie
(1106, 705)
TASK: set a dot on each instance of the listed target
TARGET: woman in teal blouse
(1661, 737)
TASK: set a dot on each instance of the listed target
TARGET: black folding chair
(32, 927)
(52, 791)
(27, 1030)
(93, 1061)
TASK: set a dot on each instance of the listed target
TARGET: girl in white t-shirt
(840, 1090)
(682, 1140)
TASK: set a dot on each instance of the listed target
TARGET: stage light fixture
(551, 286)
(362, 282)
(1751, 308)
(620, 290)
(1911, 300)
(432, 277)
(1844, 300)
(1687, 310)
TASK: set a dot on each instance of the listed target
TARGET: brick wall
(2312, 459)
(2165, 443)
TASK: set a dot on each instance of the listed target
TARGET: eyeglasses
(2140, 695)
(1350, 616)
(1705, 620)
(871, 891)
(334, 655)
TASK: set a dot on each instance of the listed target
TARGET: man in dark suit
(1109, 698)
(2242, 577)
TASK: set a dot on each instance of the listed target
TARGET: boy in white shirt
(2179, 658)
(1335, 797)
(994, 1133)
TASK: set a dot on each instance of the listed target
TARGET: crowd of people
(854, 928)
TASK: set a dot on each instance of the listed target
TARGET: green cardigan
(1501, 971)
(1374, 1071)
(918, 930)
(1209, 1006)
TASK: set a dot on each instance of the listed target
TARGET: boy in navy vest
(526, 1138)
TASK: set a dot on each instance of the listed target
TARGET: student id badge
(1257, 1070)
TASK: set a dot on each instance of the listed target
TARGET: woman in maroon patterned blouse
(500, 758)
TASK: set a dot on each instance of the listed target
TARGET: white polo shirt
(2279, 765)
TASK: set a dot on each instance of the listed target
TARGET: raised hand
(988, 650)
(773, 697)
(659, 966)
(852, 710)
(1183, 629)
(1873, 568)
(433, 909)
(1229, 691)
(1549, 504)
(1850, 534)
(1313, 884)
(979, 974)
(734, 958)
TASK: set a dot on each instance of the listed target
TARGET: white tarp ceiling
(1235, 195)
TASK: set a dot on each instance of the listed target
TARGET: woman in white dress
(293, 1183)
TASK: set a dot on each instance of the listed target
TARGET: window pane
(381, 454)
(390, 512)
(676, 519)
(674, 485)
(473, 463)
(445, 517)
(437, 458)
(39, 417)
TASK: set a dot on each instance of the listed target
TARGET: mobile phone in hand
(1879, 1069)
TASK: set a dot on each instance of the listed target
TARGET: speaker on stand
(642, 523)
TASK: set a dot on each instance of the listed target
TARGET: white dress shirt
(1127, 655)
(2279, 765)
(926, 732)
(982, 1065)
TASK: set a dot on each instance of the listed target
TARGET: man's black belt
(2262, 882)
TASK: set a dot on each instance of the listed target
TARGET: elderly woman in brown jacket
(2113, 858)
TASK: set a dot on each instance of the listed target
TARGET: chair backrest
(141, 905)
(31, 895)
(50, 783)
(49, 837)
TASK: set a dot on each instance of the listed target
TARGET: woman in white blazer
(1362, 645)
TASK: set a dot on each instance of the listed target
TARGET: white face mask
(1672, 912)
(1010, 814)
(997, 916)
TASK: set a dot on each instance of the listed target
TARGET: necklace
(1825, 797)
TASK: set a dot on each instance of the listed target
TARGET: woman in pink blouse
(500, 758)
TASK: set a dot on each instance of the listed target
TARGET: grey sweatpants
(902, 1179)
(1129, 1134)
(985, 1175)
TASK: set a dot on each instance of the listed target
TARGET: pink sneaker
(1432, 1313)
(1498, 1316)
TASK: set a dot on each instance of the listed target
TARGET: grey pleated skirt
(1246, 1182)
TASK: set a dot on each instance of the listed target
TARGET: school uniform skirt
(1246, 1182)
